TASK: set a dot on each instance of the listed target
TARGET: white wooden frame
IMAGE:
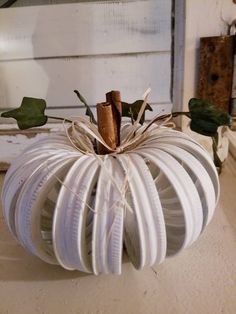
(114, 49)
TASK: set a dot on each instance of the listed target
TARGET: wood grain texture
(216, 70)
(22, 3)
(55, 79)
(48, 51)
(178, 56)
(161, 108)
(85, 29)
(13, 141)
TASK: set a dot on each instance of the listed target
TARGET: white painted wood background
(20, 3)
(48, 51)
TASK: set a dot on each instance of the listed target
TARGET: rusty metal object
(216, 70)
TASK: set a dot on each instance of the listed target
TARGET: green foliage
(128, 110)
(88, 110)
(30, 114)
(132, 110)
(205, 118)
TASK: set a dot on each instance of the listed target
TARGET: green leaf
(30, 114)
(132, 110)
(88, 110)
(206, 118)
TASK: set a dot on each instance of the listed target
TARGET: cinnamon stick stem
(106, 127)
(109, 121)
(114, 98)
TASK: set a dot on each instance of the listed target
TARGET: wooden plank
(216, 70)
(55, 80)
(178, 57)
(13, 141)
(22, 3)
(103, 45)
(163, 108)
(91, 28)
(13, 145)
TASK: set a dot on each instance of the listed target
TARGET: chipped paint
(28, 133)
(13, 141)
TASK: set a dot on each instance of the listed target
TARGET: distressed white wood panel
(13, 141)
(49, 51)
(163, 108)
(21, 3)
(55, 79)
(89, 28)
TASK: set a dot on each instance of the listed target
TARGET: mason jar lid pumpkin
(79, 198)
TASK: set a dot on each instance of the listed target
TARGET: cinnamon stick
(106, 127)
(114, 98)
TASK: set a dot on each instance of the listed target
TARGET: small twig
(183, 113)
(59, 118)
(114, 98)
(88, 110)
(131, 115)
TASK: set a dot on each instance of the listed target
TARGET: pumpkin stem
(109, 121)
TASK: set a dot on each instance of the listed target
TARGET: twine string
(83, 134)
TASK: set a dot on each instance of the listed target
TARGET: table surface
(201, 279)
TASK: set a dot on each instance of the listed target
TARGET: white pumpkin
(79, 210)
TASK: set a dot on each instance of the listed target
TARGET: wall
(203, 18)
